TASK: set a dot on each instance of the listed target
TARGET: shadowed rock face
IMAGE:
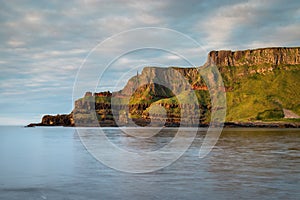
(142, 89)
(58, 120)
(55, 120)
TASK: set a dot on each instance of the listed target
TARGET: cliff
(261, 85)
(264, 56)
(162, 76)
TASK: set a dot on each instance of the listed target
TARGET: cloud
(59, 53)
(43, 43)
(251, 24)
(15, 43)
(290, 33)
(221, 24)
(173, 57)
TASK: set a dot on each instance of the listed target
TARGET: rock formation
(269, 56)
(256, 81)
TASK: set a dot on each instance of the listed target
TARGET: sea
(53, 163)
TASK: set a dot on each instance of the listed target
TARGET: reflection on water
(51, 163)
(261, 162)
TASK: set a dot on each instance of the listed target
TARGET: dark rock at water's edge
(262, 88)
(55, 120)
(262, 125)
(225, 125)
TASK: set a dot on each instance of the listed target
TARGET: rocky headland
(262, 90)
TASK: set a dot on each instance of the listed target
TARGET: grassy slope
(256, 95)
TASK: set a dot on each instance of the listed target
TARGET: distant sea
(246, 163)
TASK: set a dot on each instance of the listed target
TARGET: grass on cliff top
(258, 94)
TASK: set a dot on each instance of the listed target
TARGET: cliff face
(268, 56)
(171, 77)
(260, 85)
(246, 62)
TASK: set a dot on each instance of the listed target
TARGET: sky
(46, 46)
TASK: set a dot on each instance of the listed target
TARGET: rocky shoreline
(225, 125)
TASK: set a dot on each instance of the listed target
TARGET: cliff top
(260, 56)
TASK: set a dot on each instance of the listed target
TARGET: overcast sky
(44, 43)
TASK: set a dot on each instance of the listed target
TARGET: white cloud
(173, 57)
(15, 43)
(33, 18)
(146, 19)
(221, 23)
(55, 53)
(144, 6)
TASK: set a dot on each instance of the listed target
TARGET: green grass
(264, 95)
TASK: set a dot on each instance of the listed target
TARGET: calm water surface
(51, 163)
